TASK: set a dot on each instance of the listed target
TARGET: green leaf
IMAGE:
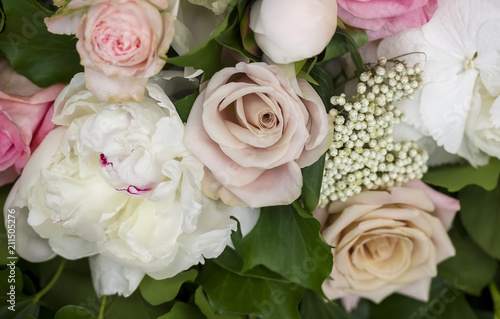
(132, 307)
(345, 41)
(185, 104)
(325, 85)
(23, 305)
(207, 55)
(240, 293)
(32, 50)
(23, 308)
(312, 177)
(2, 19)
(315, 306)
(182, 310)
(470, 269)
(201, 301)
(445, 302)
(238, 38)
(74, 312)
(454, 178)
(495, 295)
(289, 244)
(480, 215)
(157, 292)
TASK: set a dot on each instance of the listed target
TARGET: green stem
(58, 273)
(103, 304)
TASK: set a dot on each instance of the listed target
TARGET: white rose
(115, 181)
(387, 242)
(293, 30)
(483, 123)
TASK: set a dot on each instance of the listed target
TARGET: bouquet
(250, 159)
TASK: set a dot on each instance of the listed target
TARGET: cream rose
(293, 30)
(254, 133)
(115, 182)
(121, 43)
(387, 242)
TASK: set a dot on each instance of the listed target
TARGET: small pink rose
(387, 242)
(381, 18)
(121, 43)
(254, 133)
(25, 119)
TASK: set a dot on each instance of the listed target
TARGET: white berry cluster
(363, 154)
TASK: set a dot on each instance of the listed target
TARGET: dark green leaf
(325, 85)
(445, 302)
(353, 49)
(470, 269)
(157, 292)
(207, 55)
(289, 244)
(184, 105)
(344, 41)
(232, 37)
(315, 306)
(495, 295)
(312, 177)
(454, 178)
(237, 293)
(2, 19)
(247, 35)
(182, 310)
(32, 50)
(74, 312)
(480, 215)
(201, 301)
(23, 308)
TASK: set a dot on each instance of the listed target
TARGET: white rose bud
(293, 30)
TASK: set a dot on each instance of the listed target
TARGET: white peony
(115, 181)
(462, 47)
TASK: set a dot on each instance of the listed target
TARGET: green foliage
(182, 310)
(495, 295)
(315, 306)
(184, 105)
(324, 85)
(201, 301)
(74, 312)
(32, 50)
(288, 243)
(454, 178)
(24, 305)
(2, 19)
(259, 293)
(132, 307)
(207, 55)
(157, 292)
(312, 177)
(346, 41)
(480, 214)
(471, 269)
(445, 302)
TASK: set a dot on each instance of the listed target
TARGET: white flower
(293, 30)
(462, 47)
(115, 181)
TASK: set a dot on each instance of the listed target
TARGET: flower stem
(103, 304)
(58, 273)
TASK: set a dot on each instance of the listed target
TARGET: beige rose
(387, 242)
(254, 133)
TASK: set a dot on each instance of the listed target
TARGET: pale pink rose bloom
(254, 133)
(387, 242)
(381, 18)
(25, 119)
(121, 43)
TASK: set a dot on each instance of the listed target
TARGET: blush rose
(254, 133)
(121, 43)
(25, 113)
(387, 242)
(381, 18)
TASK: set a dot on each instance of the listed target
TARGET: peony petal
(488, 55)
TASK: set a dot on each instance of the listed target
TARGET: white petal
(488, 55)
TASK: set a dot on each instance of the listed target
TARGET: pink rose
(254, 133)
(121, 43)
(25, 119)
(381, 18)
(387, 242)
